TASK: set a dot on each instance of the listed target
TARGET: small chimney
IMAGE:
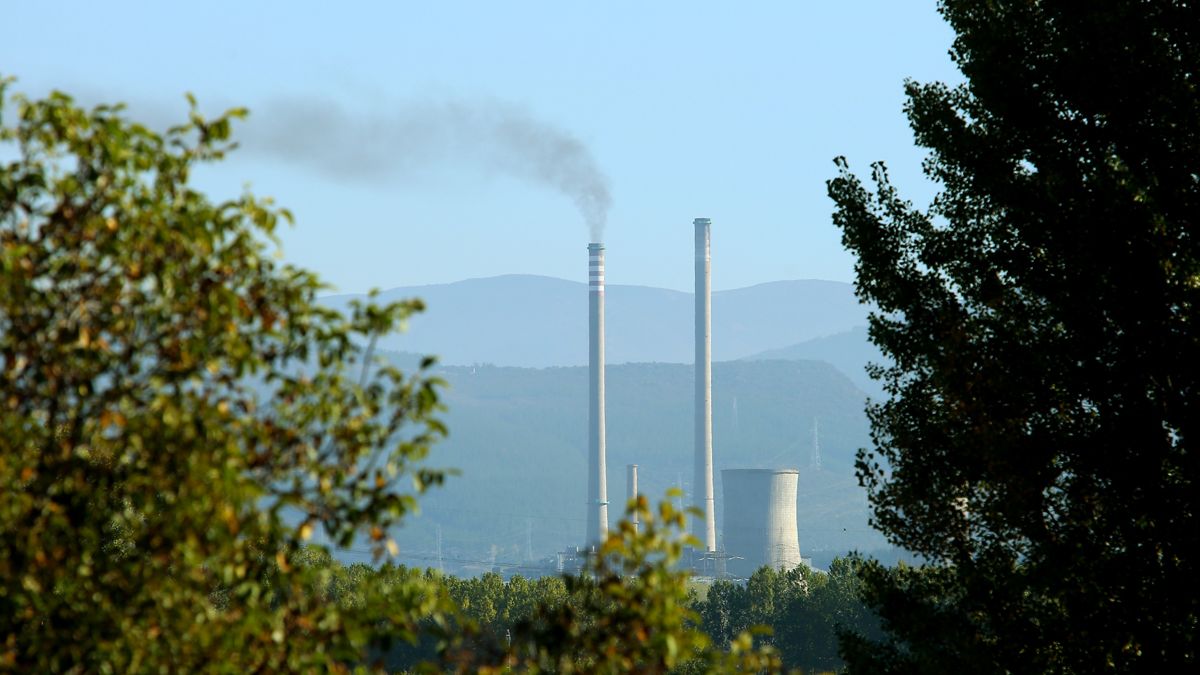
(631, 492)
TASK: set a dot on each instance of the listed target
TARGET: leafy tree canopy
(1041, 315)
(143, 482)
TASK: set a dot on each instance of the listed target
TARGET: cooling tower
(631, 491)
(760, 519)
(702, 488)
(597, 506)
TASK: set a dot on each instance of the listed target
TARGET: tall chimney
(702, 488)
(631, 492)
(597, 511)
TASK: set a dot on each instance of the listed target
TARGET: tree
(1041, 320)
(178, 415)
(724, 611)
(807, 627)
(804, 609)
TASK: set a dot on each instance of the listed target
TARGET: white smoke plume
(494, 137)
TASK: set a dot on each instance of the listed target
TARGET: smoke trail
(495, 137)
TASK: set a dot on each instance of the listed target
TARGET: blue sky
(731, 111)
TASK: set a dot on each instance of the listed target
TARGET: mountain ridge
(539, 321)
(519, 437)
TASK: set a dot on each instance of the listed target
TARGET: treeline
(804, 609)
(799, 613)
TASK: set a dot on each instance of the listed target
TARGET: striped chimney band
(596, 268)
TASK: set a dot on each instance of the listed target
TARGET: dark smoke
(495, 137)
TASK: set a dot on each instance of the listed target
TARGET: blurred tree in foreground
(1040, 314)
(143, 482)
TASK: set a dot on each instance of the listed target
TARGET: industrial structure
(759, 504)
(631, 492)
(597, 503)
(760, 519)
(815, 461)
(702, 487)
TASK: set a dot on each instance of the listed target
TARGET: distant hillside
(531, 321)
(518, 435)
(849, 351)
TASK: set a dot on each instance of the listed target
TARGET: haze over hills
(518, 437)
(848, 351)
(514, 350)
(534, 321)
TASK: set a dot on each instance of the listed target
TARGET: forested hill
(849, 351)
(518, 435)
(532, 321)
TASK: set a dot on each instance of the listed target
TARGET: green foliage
(1041, 316)
(493, 606)
(629, 611)
(143, 483)
(805, 611)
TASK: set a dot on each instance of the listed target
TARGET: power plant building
(760, 519)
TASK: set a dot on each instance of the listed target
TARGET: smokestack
(631, 491)
(597, 513)
(702, 488)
